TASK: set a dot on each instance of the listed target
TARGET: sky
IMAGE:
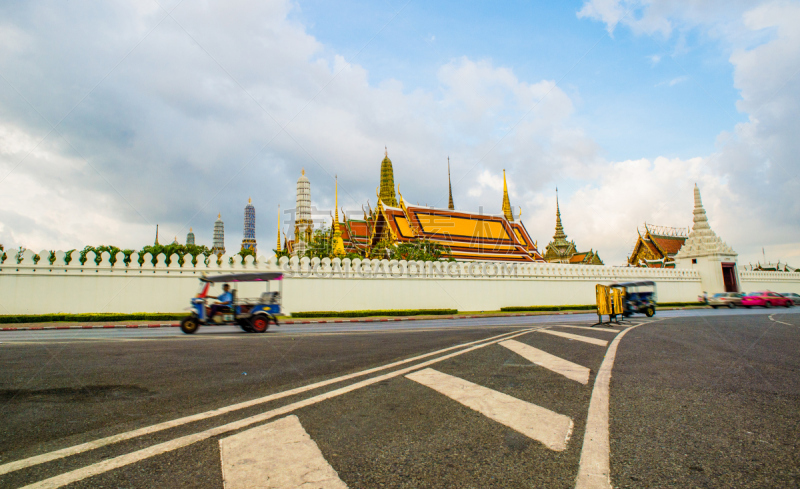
(118, 116)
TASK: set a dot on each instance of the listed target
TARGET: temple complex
(657, 247)
(562, 251)
(249, 236)
(469, 236)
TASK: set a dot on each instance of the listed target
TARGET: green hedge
(584, 307)
(89, 318)
(361, 314)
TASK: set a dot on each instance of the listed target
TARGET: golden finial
(249, 200)
(190, 230)
(506, 203)
(303, 171)
(219, 216)
(450, 187)
(385, 151)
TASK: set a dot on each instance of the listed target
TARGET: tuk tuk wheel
(259, 324)
(189, 325)
(650, 311)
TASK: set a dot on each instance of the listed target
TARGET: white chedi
(302, 213)
(702, 240)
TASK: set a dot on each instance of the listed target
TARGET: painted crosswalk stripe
(570, 370)
(588, 328)
(550, 428)
(576, 337)
(276, 455)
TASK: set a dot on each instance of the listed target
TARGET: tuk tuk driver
(225, 299)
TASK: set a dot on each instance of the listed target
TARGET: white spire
(702, 239)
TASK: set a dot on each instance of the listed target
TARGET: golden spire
(338, 244)
(506, 202)
(278, 249)
(450, 186)
(303, 171)
(219, 216)
(560, 237)
(387, 194)
(190, 230)
(249, 200)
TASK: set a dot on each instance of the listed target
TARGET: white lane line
(570, 370)
(589, 328)
(595, 469)
(585, 339)
(551, 429)
(133, 457)
(277, 455)
(66, 452)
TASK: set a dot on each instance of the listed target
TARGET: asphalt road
(698, 399)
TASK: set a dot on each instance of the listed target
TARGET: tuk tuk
(253, 315)
(638, 297)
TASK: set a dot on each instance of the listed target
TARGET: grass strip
(361, 314)
(89, 318)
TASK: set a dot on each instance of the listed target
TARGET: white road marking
(133, 457)
(595, 469)
(66, 452)
(277, 455)
(585, 339)
(551, 429)
(570, 370)
(589, 328)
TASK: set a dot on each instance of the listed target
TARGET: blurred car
(794, 297)
(726, 299)
(765, 299)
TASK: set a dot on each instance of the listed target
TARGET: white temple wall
(774, 281)
(314, 285)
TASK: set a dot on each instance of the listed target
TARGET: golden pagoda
(450, 187)
(387, 181)
(562, 251)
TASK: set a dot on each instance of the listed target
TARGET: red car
(765, 299)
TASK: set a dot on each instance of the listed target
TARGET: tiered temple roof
(657, 247)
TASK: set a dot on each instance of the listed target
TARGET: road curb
(321, 321)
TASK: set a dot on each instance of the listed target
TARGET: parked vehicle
(252, 315)
(765, 299)
(726, 299)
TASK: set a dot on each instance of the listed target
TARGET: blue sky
(118, 117)
(638, 96)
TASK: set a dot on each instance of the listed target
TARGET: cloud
(172, 120)
(672, 82)
(756, 163)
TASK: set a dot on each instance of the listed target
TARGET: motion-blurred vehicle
(765, 299)
(726, 299)
(252, 315)
(639, 297)
(794, 297)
